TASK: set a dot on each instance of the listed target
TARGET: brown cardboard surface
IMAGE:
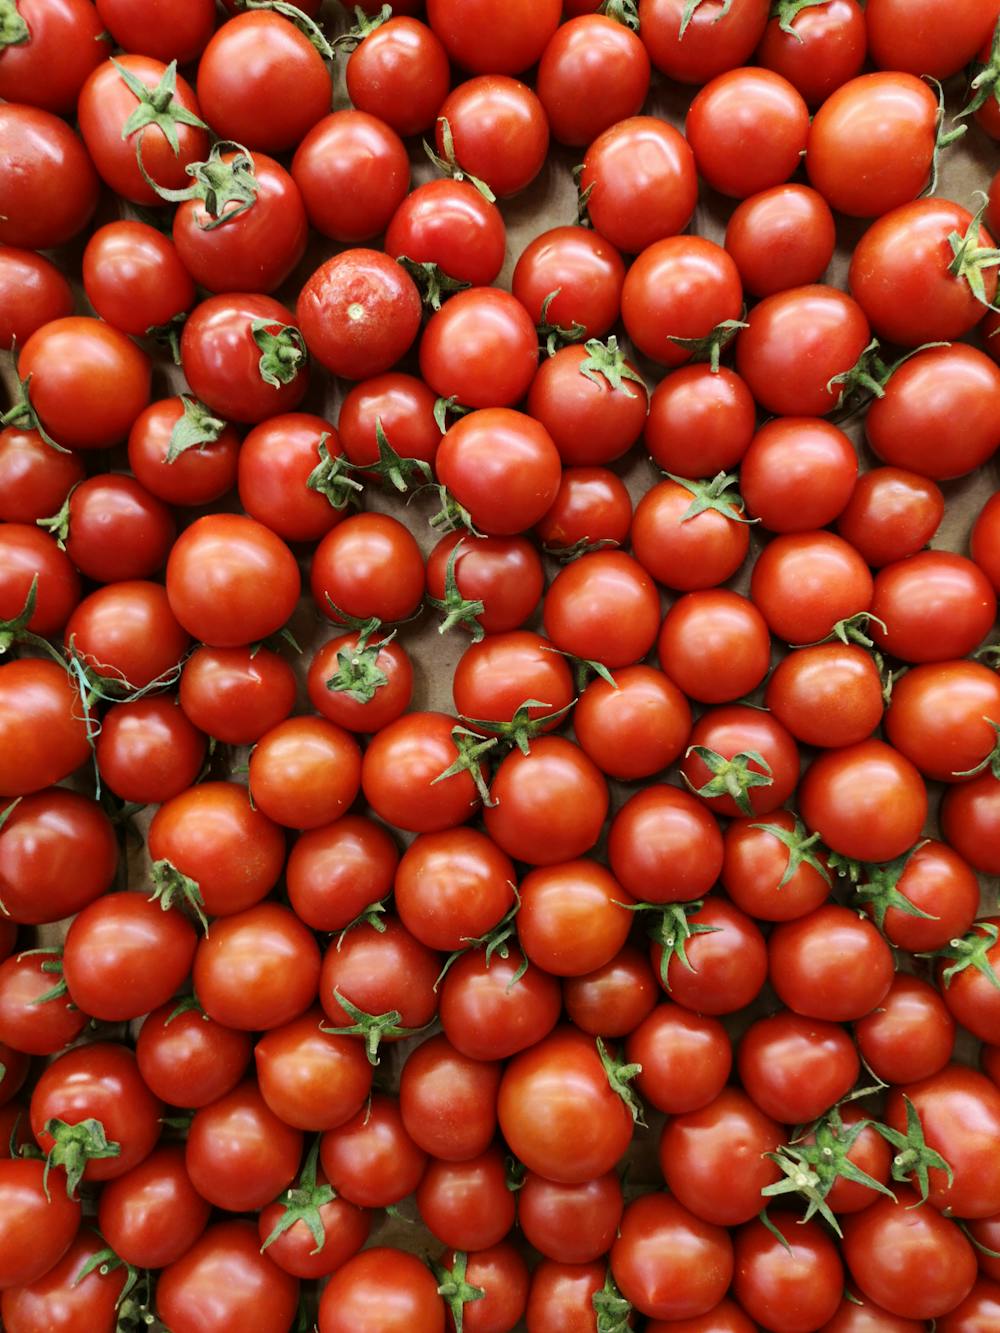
(549, 201)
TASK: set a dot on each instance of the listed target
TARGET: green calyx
(620, 1075)
(449, 164)
(913, 1159)
(942, 137)
(876, 886)
(567, 554)
(57, 524)
(23, 415)
(16, 630)
(553, 336)
(523, 726)
(134, 1304)
(172, 887)
(216, 184)
(73, 1147)
(433, 284)
(471, 747)
(730, 777)
(392, 468)
(584, 668)
(373, 1029)
(193, 429)
(169, 335)
(866, 378)
(613, 1311)
(363, 25)
(710, 347)
(986, 81)
(495, 941)
(625, 12)
(157, 106)
(972, 950)
(852, 629)
(690, 6)
(307, 26)
(671, 929)
(811, 1170)
(282, 351)
(787, 11)
(719, 494)
(455, 1290)
(971, 259)
(358, 673)
(800, 846)
(331, 477)
(302, 1203)
(452, 516)
(458, 610)
(606, 360)
(53, 966)
(13, 29)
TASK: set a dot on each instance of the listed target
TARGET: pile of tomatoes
(457, 873)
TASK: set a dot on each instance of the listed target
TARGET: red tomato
(724, 756)
(48, 185)
(188, 1060)
(795, 1068)
(64, 1300)
(399, 772)
(969, 992)
(34, 480)
(37, 1226)
(177, 32)
(383, 1291)
(664, 846)
(614, 999)
(499, 1277)
(134, 278)
(668, 1262)
(686, 1058)
(353, 173)
(453, 887)
(578, 272)
(223, 1281)
(448, 1101)
(798, 473)
(560, 1299)
(503, 575)
(480, 348)
(51, 49)
(31, 557)
(452, 225)
(43, 734)
(32, 293)
(547, 806)
(238, 1154)
(700, 421)
(360, 685)
(910, 1035)
(817, 48)
(970, 820)
(807, 967)
(935, 606)
(594, 72)
(181, 453)
(783, 237)
(726, 964)
(603, 607)
(572, 917)
(572, 1224)
(371, 1160)
(939, 717)
(468, 1204)
(113, 528)
(399, 72)
(977, 1312)
(804, 583)
(592, 508)
(153, 1214)
(891, 514)
(635, 728)
(368, 566)
(493, 36)
(281, 476)
(769, 870)
(343, 1230)
(30, 1023)
(334, 873)
(676, 295)
(916, 37)
(789, 1284)
(496, 130)
(747, 129)
(491, 1008)
(126, 633)
(58, 851)
(984, 543)
(502, 467)
(866, 801)
(305, 772)
(359, 313)
(591, 400)
(403, 405)
(695, 43)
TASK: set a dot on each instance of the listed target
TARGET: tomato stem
(455, 1290)
(301, 1203)
(73, 1147)
(913, 1157)
(13, 29)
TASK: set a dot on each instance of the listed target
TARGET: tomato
(179, 32)
(353, 173)
(467, 1205)
(747, 129)
(123, 108)
(97, 1082)
(685, 549)
(359, 685)
(489, 1011)
(34, 479)
(496, 677)
(685, 1058)
(448, 1101)
(664, 846)
(970, 820)
(109, 953)
(916, 37)
(560, 1299)
(867, 801)
(58, 852)
(983, 1232)
(258, 968)
(343, 1229)
(726, 1317)
(277, 462)
(311, 1079)
(935, 606)
(817, 48)
(790, 1285)
(782, 237)
(549, 805)
(799, 473)
(453, 887)
(969, 993)
(368, 566)
(726, 965)
(482, 349)
(828, 694)
(910, 1260)
(490, 36)
(592, 508)
(571, 1224)
(644, 181)
(910, 1035)
(676, 294)
(795, 1068)
(127, 634)
(796, 344)
(383, 1291)
(359, 313)
(768, 870)
(238, 1154)
(403, 405)
(399, 772)
(806, 962)
(262, 83)
(63, 1300)
(181, 453)
(36, 1228)
(938, 717)
(668, 1262)
(804, 583)
(500, 1278)
(700, 422)
(153, 1214)
(572, 917)
(855, 1315)
(892, 514)
(503, 575)
(48, 185)
(134, 278)
(580, 271)
(89, 382)
(984, 543)
(30, 1023)
(496, 130)
(399, 72)
(695, 43)
(186, 1059)
(734, 737)
(48, 52)
(223, 1281)
(370, 1160)
(31, 557)
(603, 607)
(244, 357)
(594, 72)
(937, 414)
(452, 225)
(32, 293)
(305, 772)
(591, 400)
(501, 466)
(113, 528)
(43, 734)
(334, 873)
(614, 999)
(975, 1314)
(635, 728)
(148, 751)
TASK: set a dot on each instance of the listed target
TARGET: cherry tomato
(578, 272)
(370, 1160)
(359, 313)
(223, 1281)
(399, 72)
(305, 772)
(353, 173)
(30, 1022)
(984, 542)
(58, 852)
(238, 1154)
(678, 291)
(502, 467)
(384, 1291)
(798, 474)
(938, 717)
(892, 513)
(153, 1214)
(635, 728)
(496, 677)
(727, 964)
(767, 871)
(186, 1059)
(685, 1057)
(491, 1008)
(379, 972)
(334, 873)
(360, 685)
(312, 1079)
(747, 129)
(403, 405)
(614, 999)
(828, 694)
(181, 453)
(694, 44)
(179, 32)
(399, 772)
(448, 1101)
(54, 47)
(493, 36)
(450, 224)
(64, 1300)
(278, 460)
(910, 1035)
(603, 607)
(368, 566)
(727, 733)
(794, 1068)
(917, 38)
(866, 801)
(817, 48)
(787, 1282)
(48, 185)
(783, 237)
(37, 1226)
(344, 1229)
(500, 1277)
(644, 183)
(134, 278)
(480, 348)
(467, 1204)
(592, 508)
(34, 480)
(504, 574)
(496, 129)
(32, 293)
(548, 805)
(806, 963)
(664, 846)
(804, 583)
(560, 1299)
(44, 736)
(970, 820)
(935, 606)
(31, 558)
(452, 887)
(970, 993)
(593, 73)
(700, 422)
(572, 918)
(668, 1262)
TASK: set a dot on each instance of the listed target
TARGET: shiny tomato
(400, 770)
(548, 805)
(866, 801)
(238, 1153)
(573, 917)
(48, 185)
(334, 873)
(910, 1035)
(795, 1068)
(578, 272)
(635, 728)
(367, 566)
(467, 1204)
(603, 607)
(806, 964)
(181, 453)
(700, 421)
(747, 129)
(594, 72)
(37, 1226)
(726, 959)
(480, 348)
(452, 225)
(694, 43)
(385, 1291)
(134, 278)
(769, 870)
(305, 772)
(804, 583)
(592, 508)
(224, 1281)
(353, 173)
(31, 557)
(32, 293)
(496, 130)
(787, 1282)
(65, 1298)
(116, 529)
(917, 38)
(644, 182)
(828, 694)
(448, 1100)
(370, 1160)
(817, 48)
(30, 1023)
(236, 694)
(782, 237)
(668, 1262)
(496, 677)
(677, 294)
(186, 1059)
(503, 575)
(281, 476)
(58, 852)
(502, 467)
(312, 1079)
(452, 887)
(742, 750)
(153, 1214)
(399, 72)
(34, 480)
(43, 734)
(686, 1058)
(798, 474)
(614, 999)
(935, 606)
(491, 1008)
(591, 400)
(664, 846)
(891, 514)
(55, 47)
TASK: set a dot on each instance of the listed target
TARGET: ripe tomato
(768, 870)
(828, 694)
(695, 43)
(984, 543)
(30, 556)
(238, 1153)
(359, 313)
(186, 1059)
(500, 1278)
(688, 536)
(49, 53)
(179, 34)
(669, 1263)
(578, 272)
(504, 575)
(573, 1224)
(891, 514)
(399, 72)
(30, 1023)
(360, 685)
(549, 805)
(181, 453)
(448, 1101)
(343, 1230)
(257, 969)
(403, 405)
(63, 1299)
(817, 48)
(34, 480)
(747, 129)
(493, 37)
(804, 583)
(737, 737)
(572, 917)
(368, 566)
(783, 237)
(32, 293)
(910, 1035)
(134, 278)
(686, 1058)
(603, 607)
(939, 717)
(917, 38)
(278, 460)
(970, 820)
(676, 294)
(592, 508)
(370, 1160)
(400, 769)
(48, 185)
(787, 1284)
(561, 1296)
(58, 852)
(501, 466)
(935, 606)
(480, 348)
(450, 224)
(305, 772)
(979, 1309)
(43, 734)
(795, 1068)
(312, 1079)
(591, 400)
(153, 1214)
(664, 846)
(635, 728)
(116, 529)
(467, 1204)
(867, 801)
(614, 999)
(593, 73)
(496, 677)
(700, 421)
(127, 634)
(36, 1227)
(383, 1291)
(353, 173)
(726, 965)
(644, 182)
(798, 473)
(491, 1008)
(453, 887)
(334, 873)
(969, 993)
(806, 964)
(223, 1281)
(496, 130)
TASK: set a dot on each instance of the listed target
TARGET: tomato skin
(134, 278)
(936, 606)
(450, 224)
(755, 863)
(892, 514)
(550, 804)
(153, 1214)
(117, 529)
(238, 1153)
(824, 49)
(984, 543)
(910, 1035)
(504, 573)
(368, 565)
(636, 728)
(32, 293)
(795, 1068)
(589, 421)
(867, 801)
(679, 287)
(804, 582)
(379, 971)
(560, 1299)
(502, 1275)
(43, 734)
(728, 964)
(593, 73)
(382, 1291)
(496, 676)
(685, 1057)
(212, 834)
(221, 358)
(257, 969)
(311, 1079)
(276, 460)
(665, 846)
(828, 694)
(970, 821)
(614, 999)
(480, 347)
(467, 1204)
(909, 1259)
(58, 852)
(452, 887)
(334, 873)
(938, 716)
(60, 1302)
(99, 1081)
(747, 129)
(782, 237)
(27, 554)
(499, 130)
(866, 1317)
(400, 74)
(796, 342)
(715, 645)
(798, 474)
(262, 83)
(603, 607)
(405, 407)
(35, 1230)
(353, 173)
(126, 631)
(808, 970)
(359, 313)
(224, 1282)
(48, 185)
(49, 69)
(917, 38)
(592, 506)
(572, 917)
(305, 772)
(175, 32)
(669, 1263)
(587, 270)
(28, 1025)
(186, 1059)
(231, 580)
(571, 1224)
(391, 699)
(977, 1312)
(196, 476)
(493, 37)
(502, 466)
(645, 183)
(700, 422)
(937, 415)
(448, 1101)
(737, 729)
(345, 1230)
(399, 769)
(715, 38)
(34, 480)
(970, 996)
(370, 1160)
(726, 1317)
(788, 1290)
(487, 1014)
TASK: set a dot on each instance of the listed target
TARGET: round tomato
(153, 1214)
(501, 467)
(669, 1263)
(700, 421)
(312, 1079)
(594, 72)
(548, 805)
(603, 607)
(186, 1059)
(685, 1058)
(334, 873)
(451, 225)
(448, 1101)
(794, 1069)
(806, 963)
(769, 870)
(44, 735)
(238, 1154)
(935, 606)
(789, 1282)
(49, 49)
(282, 481)
(353, 173)
(634, 728)
(783, 237)
(370, 1160)
(867, 801)
(453, 887)
(305, 772)
(694, 42)
(400, 770)
(494, 129)
(32, 293)
(223, 1281)
(37, 1226)
(828, 694)
(747, 129)
(677, 294)
(48, 185)
(910, 1035)
(891, 514)
(399, 72)
(181, 453)
(642, 182)
(578, 273)
(919, 39)
(382, 1291)
(816, 47)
